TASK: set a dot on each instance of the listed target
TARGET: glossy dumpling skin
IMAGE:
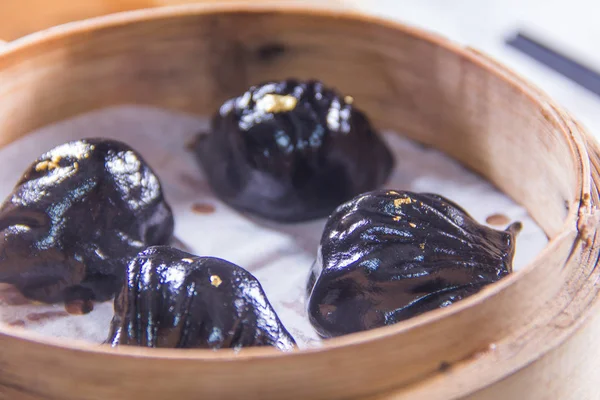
(76, 217)
(292, 151)
(174, 299)
(386, 256)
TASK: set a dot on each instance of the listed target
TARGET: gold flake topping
(399, 202)
(42, 166)
(46, 165)
(422, 246)
(349, 99)
(187, 260)
(396, 218)
(412, 225)
(215, 280)
(276, 103)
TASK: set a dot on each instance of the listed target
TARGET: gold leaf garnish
(348, 99)
(215, 280)
(276, 103)
(396, 218)
(42, 166)
(422, 246)
(412, 225)
(399, 202)
(46, 165)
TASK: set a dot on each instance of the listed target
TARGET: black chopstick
(578, 73)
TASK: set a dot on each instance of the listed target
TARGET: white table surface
(570, 27)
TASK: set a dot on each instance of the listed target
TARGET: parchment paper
(279, 255)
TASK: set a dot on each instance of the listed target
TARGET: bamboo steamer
(533, 335)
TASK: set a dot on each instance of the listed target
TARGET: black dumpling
(386, 256)
(292, 151)
(177, 300)
(76, 217)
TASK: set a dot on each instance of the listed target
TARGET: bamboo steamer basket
(533, 335)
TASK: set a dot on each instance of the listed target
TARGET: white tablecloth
(568, 26)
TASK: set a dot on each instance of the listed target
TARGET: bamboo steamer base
(533, 335)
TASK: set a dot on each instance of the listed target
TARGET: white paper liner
(279, 255)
